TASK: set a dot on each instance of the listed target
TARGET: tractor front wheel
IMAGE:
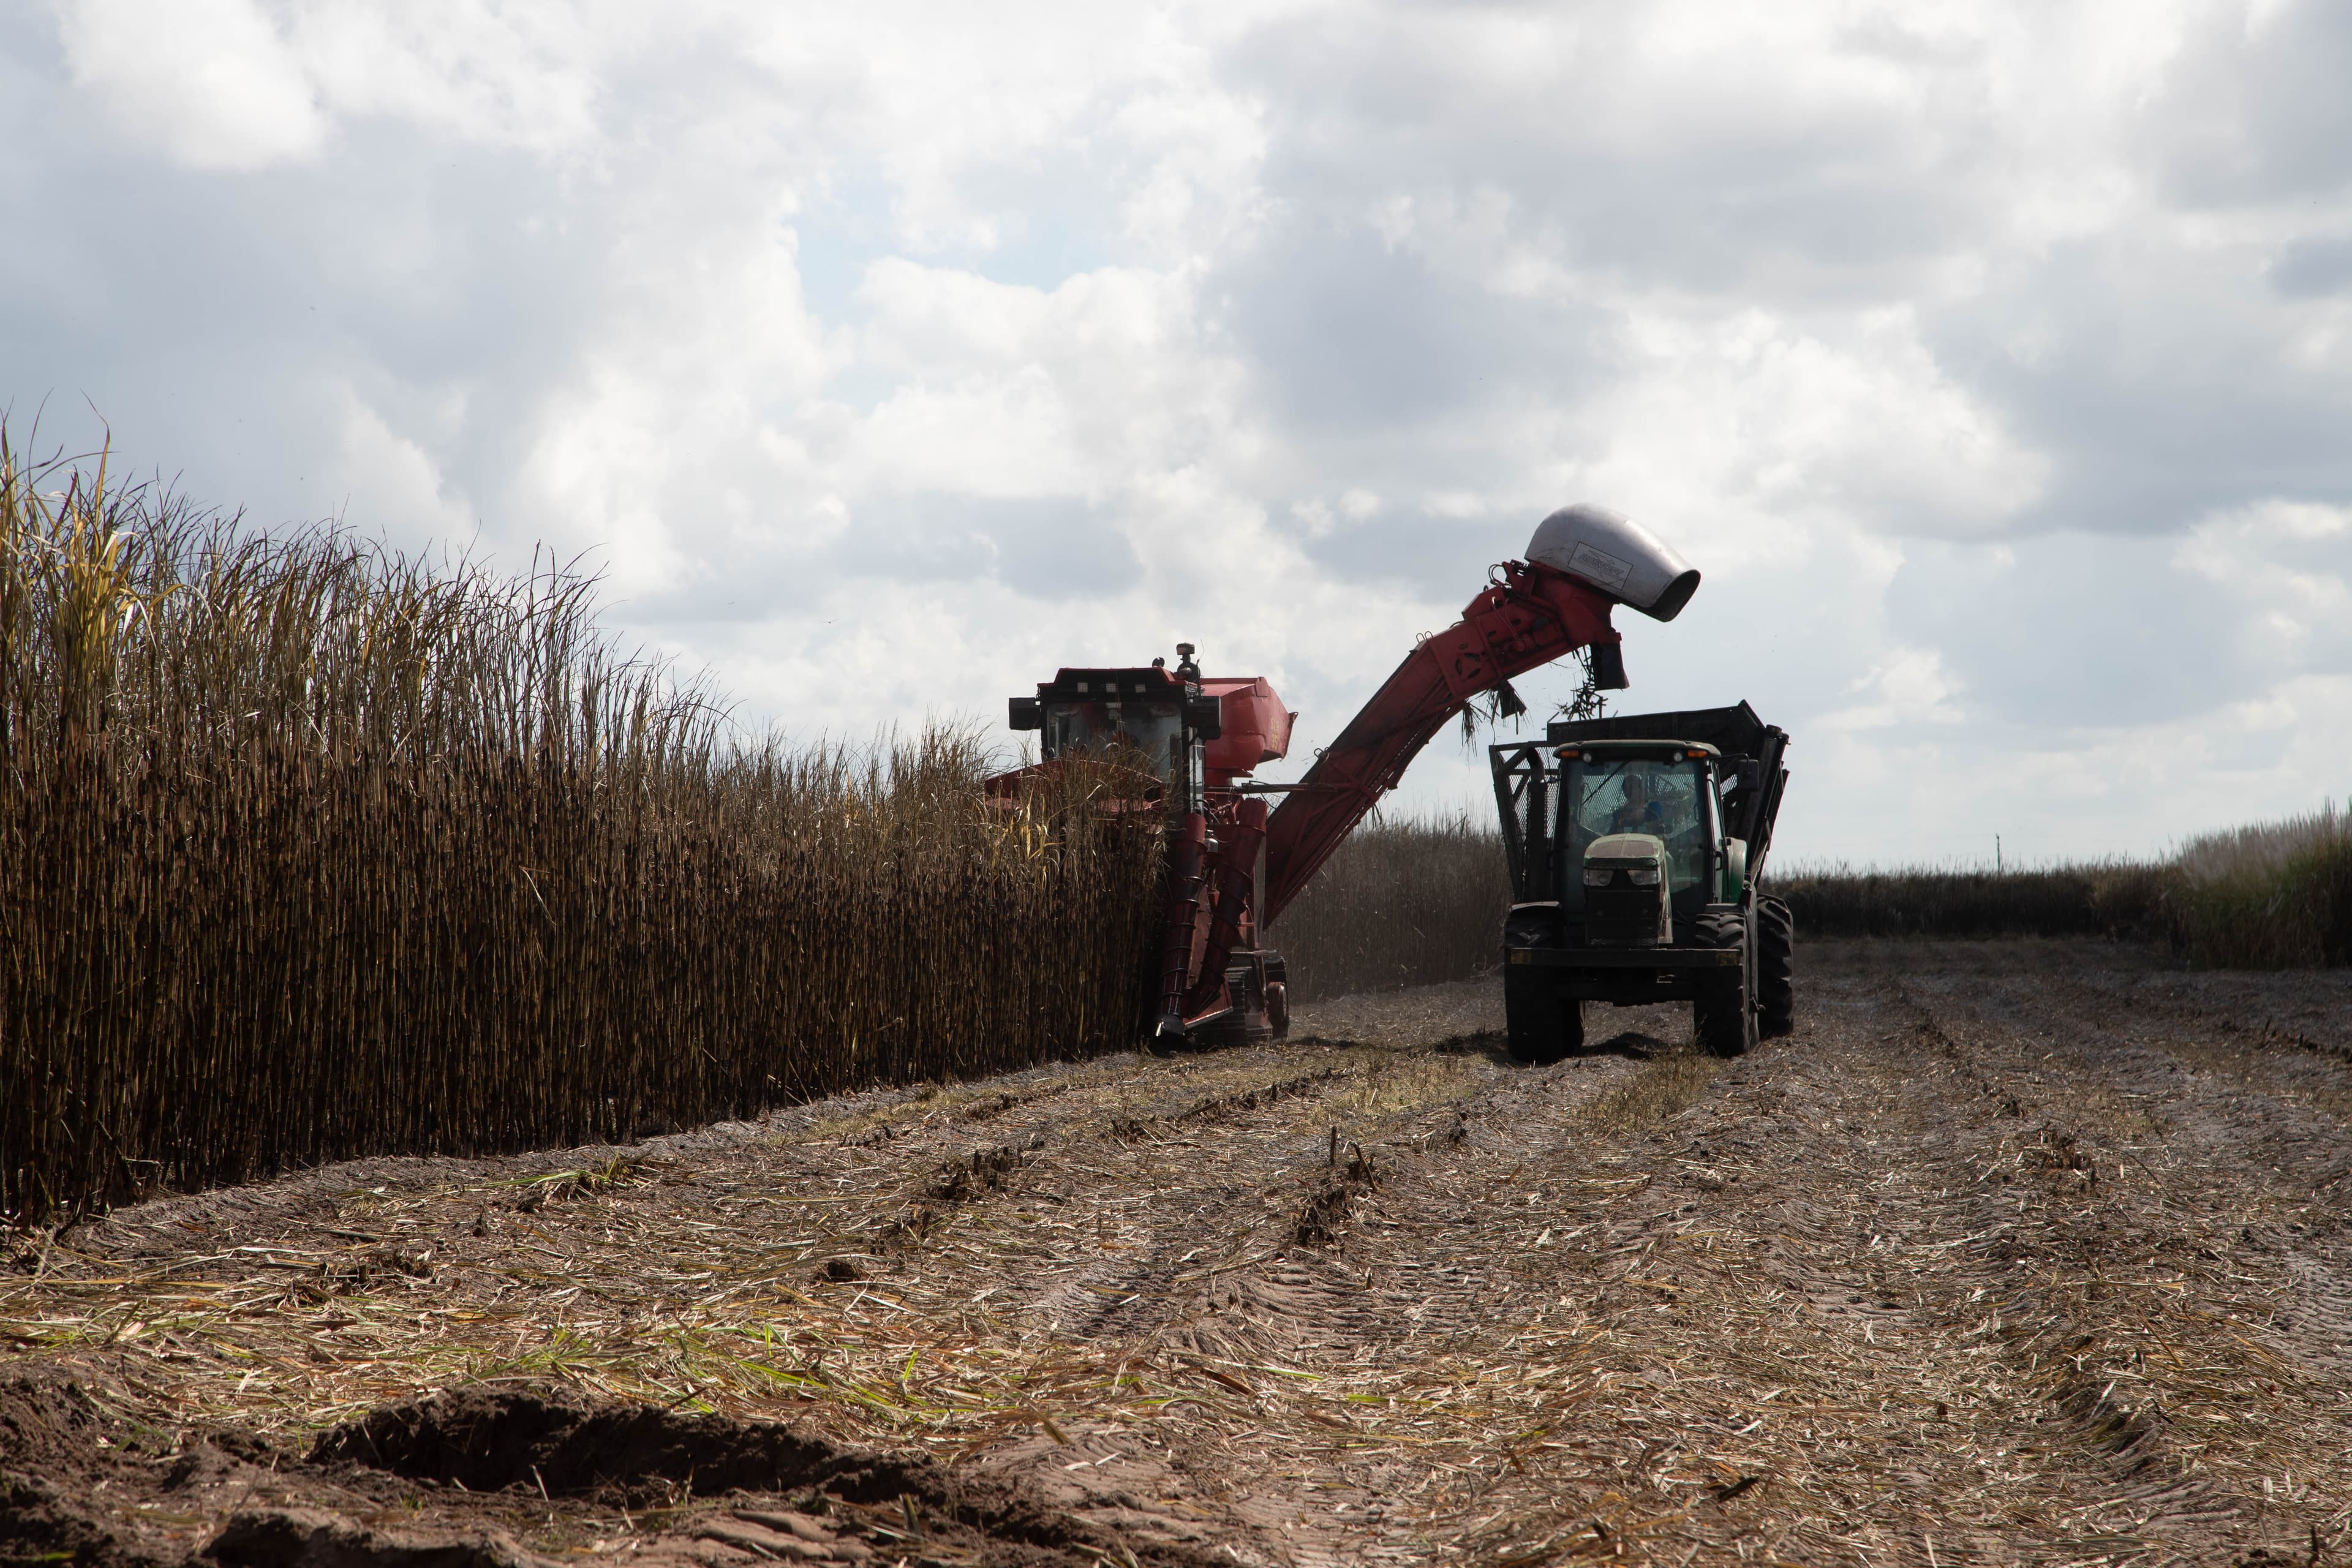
(1724, 1016)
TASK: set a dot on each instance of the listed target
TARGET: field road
(2015, 1252)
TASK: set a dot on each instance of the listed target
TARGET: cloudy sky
(1993, 363)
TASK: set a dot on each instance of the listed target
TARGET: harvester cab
(1153, 716)
(1637, 847)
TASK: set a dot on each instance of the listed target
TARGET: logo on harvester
(1599, 567)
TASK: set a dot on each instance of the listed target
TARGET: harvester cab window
(1666, 799)
(1155, 728)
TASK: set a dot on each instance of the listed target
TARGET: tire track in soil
(2241, 1141)
(1216, 1279)
(1917, 1175)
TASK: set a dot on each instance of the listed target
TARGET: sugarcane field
(1284, 784)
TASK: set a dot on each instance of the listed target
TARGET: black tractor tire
(1540, 1025)
(1724, 1016)
(1278, 1008)
(1776, 969)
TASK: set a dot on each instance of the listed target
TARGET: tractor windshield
(1155, 728)
(1641, 794)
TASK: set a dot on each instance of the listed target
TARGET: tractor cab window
(1667, 799)
(1155, 728)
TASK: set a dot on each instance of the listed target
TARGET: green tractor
(1636, 847)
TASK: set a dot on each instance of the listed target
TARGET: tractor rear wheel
(1724, 1016)
(1542, 1026)
(1776, 969)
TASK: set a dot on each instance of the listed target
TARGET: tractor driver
(1639, 813)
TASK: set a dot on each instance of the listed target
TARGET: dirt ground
(2014, 1253)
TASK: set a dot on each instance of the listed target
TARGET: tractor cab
(1639, 815)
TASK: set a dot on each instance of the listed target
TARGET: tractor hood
(1616, 555)
(1626, 891)
(1625, 851)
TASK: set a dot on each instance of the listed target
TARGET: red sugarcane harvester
(1232, 866)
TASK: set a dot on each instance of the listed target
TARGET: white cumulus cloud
(211, 84)
(1991, 361)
